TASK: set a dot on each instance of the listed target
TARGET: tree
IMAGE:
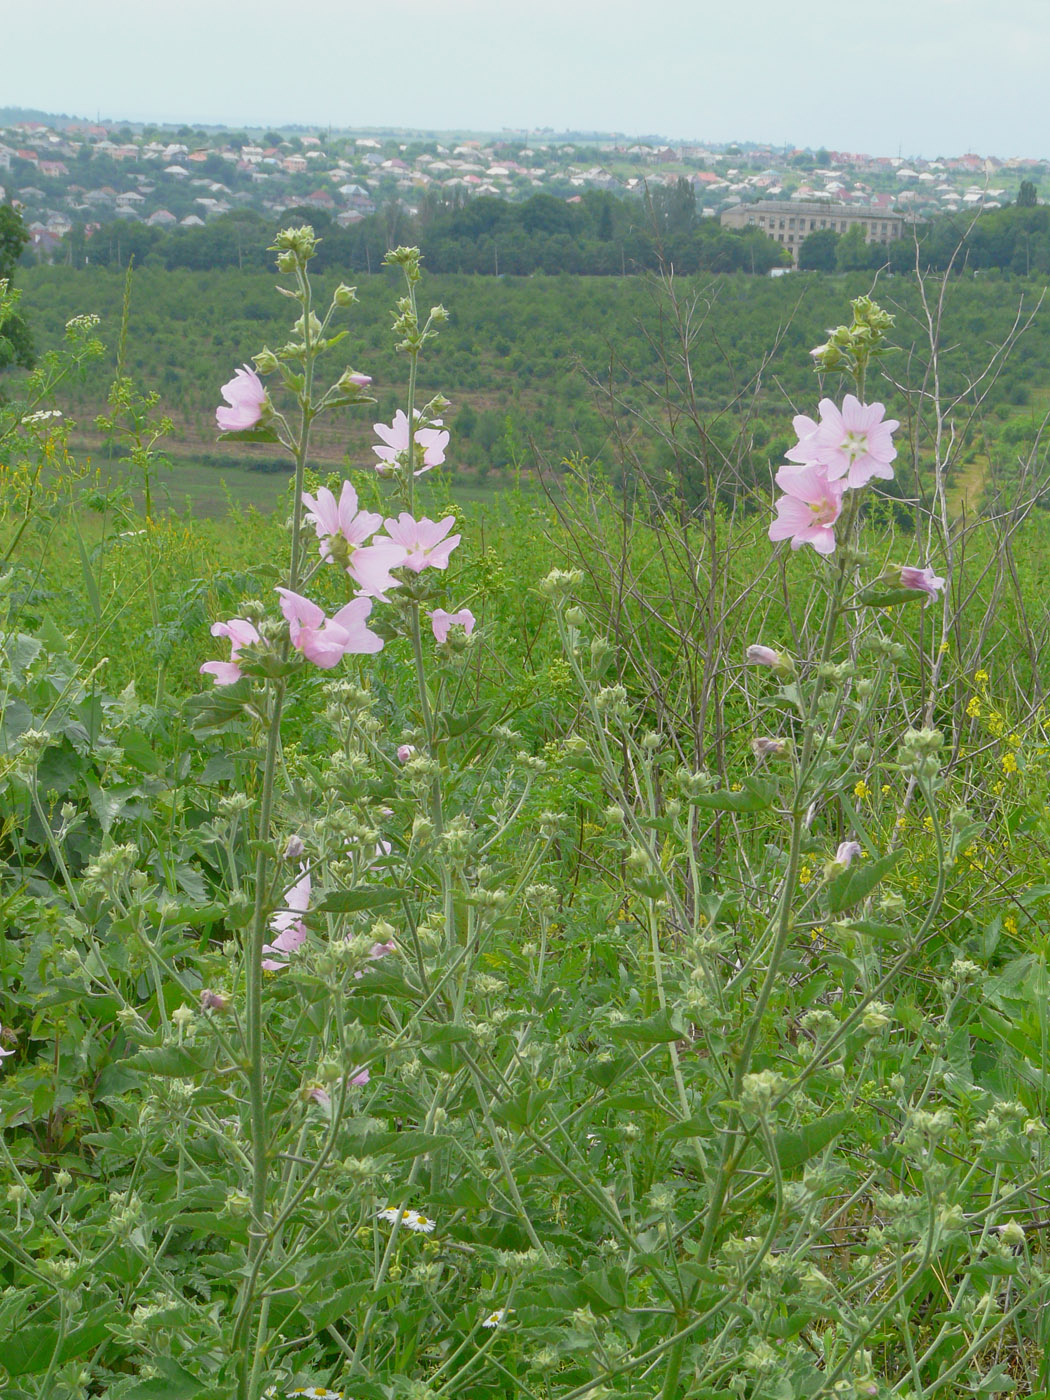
(16, 345)
(1026, 195)
(853, 253)
(817, 253)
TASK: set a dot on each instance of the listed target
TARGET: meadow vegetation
(607, 961)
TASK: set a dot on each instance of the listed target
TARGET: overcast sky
(923, 77)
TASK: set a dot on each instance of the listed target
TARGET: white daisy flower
(317, 1392)
(495, 1318)
(416, 1220)
(410, 1219)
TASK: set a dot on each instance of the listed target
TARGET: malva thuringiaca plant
(355, 1043)
(779, 982)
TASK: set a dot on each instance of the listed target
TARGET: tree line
(595, 234)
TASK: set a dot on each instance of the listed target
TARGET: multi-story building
(790, 222)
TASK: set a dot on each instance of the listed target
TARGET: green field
(636, 989)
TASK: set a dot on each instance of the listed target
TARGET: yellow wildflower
(944, 648)
(805, 875)
(1009, 763)
(973, 709)
(1010, 924)
(885, 789)
(861, 790)
(980, 677)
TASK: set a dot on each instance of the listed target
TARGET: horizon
(538, 135)
(939, 80)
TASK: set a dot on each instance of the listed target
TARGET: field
(607, 958)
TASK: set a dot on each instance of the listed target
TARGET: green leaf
(797, 1145)
(850, 886)
(29, 1350)
(349, 901)
(403, 1147)
(171, 1061)
(448, 1034)
(213, 710)
(173, 1383)
(655, 1030)
(755, 795)
(90, 587)
(453, 724)
(882, 933)
(257, 434)
(886, 596)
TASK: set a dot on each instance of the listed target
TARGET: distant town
(64, 174)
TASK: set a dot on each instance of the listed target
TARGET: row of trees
(16, 346)
(597, 234)
(1014, 240)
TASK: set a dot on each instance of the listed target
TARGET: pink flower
(377, 950)
(370, 567)
(809, 508)
(441, 621)
(241, 634)
(357, 1080)
(423, 540)
(395, 436)
(405, 752)
(339, 522)
(286, 923)
(766, 656)
(246, 396)
(213, 1001)
(855, 442)
(845, 853)
(325, 641)
(361, 380)
(763, 747)
(924, 580)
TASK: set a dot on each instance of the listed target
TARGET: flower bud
(266, 362)
(344, 295)
(777, 661)
(764, 748)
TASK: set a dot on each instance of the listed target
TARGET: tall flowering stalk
(249, 414)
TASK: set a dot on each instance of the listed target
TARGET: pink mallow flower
(807, 511)
(431, 441)
(441, 621)
(241, 634)
(855, 442)
(288, 925)
(923, 580)
(377, 951)
(426, 542)
(405, 752)
(340, 526)
(246, 396)
(325, 641)
(357, 1080)
(846, 852)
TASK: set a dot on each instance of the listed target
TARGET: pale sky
(923, 77)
